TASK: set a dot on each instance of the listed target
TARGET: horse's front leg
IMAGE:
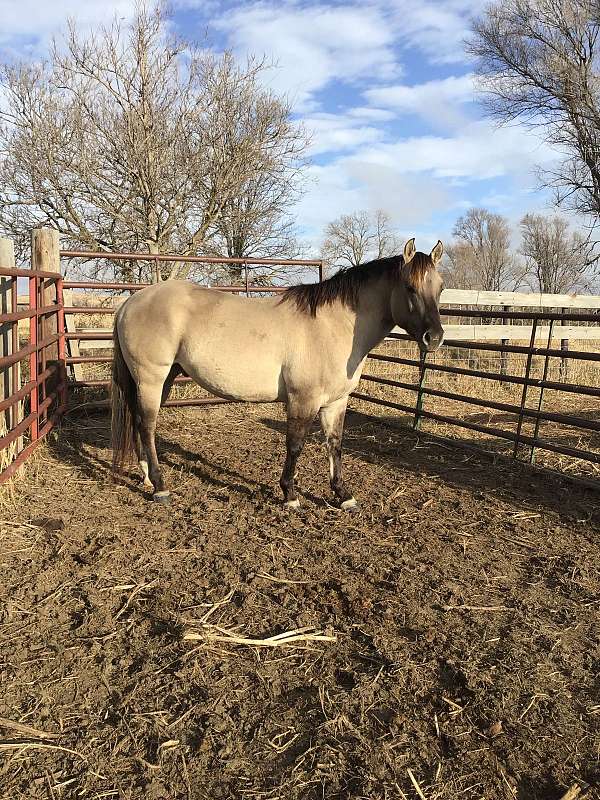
(332, 421)
(299, 419)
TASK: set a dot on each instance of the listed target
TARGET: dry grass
(208, 632)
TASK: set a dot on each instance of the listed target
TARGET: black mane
(344, 286)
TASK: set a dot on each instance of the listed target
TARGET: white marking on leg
(347, 504)
(331, 466)
(292, 503)
(144, 468)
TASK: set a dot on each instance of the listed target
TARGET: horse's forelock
(417, 269)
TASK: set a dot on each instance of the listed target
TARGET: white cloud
(314, 44)
(344, 186)
(28, 26)
(438, 101)
(408, 199)
(333, 133)
(365, 113)
(437, 28)
(479, 151)
(426, 182)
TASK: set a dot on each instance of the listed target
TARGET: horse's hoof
(351, 506)
(147, 484)
(162, 497)
(292, 505)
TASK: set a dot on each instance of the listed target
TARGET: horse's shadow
(394, 445)
(87, 447)
(172, 454)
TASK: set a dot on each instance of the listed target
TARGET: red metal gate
(42, 357)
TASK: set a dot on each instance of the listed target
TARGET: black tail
(124, 407)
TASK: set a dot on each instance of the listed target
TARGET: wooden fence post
(45, 255)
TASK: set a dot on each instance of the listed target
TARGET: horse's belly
(251, 382)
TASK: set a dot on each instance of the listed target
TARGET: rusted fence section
(41, 359)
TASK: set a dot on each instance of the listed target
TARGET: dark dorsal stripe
(346, 284)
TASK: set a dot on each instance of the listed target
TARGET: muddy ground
(463, 603)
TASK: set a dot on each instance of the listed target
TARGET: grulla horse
(305, 348)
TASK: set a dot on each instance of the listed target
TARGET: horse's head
(416, 296)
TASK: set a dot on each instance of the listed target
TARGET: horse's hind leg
(169, 380)
(140, 452)
(149, 400)
(332, 421)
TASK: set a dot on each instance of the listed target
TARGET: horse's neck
(373, 316)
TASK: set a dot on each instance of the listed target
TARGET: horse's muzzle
(432, 340)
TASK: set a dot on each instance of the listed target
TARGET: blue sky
(384, 87)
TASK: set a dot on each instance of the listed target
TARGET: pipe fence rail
(43, 368)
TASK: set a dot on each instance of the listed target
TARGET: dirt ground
(461, 607)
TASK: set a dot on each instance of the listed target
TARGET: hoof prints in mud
(463, 601)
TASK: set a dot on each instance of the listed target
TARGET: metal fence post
(506, 342)
(420, 394)
(541, 398)
(33, 358)
(564, 362)
(62, 348)
(525, 385)
(9, 377)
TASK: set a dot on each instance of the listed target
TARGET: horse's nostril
(426, 338)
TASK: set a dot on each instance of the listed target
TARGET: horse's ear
(409, 250)
(437, 253)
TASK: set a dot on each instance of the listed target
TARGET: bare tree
(538, 61)
(460, 268)
(354, 238)
(481, 255)
(256, 222)
(131, 139)
(557, 260)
